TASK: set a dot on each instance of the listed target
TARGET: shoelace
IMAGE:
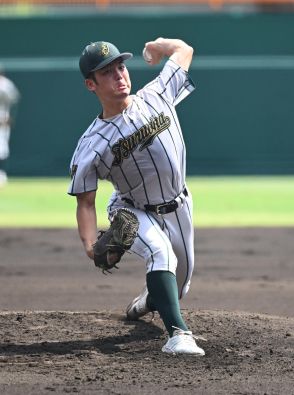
(182, 332)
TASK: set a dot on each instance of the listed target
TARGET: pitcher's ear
(90, 84)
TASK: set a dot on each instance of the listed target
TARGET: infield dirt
(63, 328)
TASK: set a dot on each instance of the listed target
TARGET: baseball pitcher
(136, 143)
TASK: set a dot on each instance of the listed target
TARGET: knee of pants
(162, 260)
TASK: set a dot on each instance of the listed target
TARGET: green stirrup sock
(163, 290)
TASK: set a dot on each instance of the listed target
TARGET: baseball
(147, 56)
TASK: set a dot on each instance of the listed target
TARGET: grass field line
(218, 201)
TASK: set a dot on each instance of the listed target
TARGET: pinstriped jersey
(141, 151)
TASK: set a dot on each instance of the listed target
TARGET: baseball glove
(112, 243)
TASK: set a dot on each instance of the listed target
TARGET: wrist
(90, 253)
(89, 250)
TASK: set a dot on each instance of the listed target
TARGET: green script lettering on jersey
(143, 136)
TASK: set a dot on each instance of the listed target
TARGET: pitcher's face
(112, 82)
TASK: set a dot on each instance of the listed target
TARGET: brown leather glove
(112, 243)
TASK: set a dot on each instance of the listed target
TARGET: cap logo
(104, 49)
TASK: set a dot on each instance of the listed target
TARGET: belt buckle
(158, 208)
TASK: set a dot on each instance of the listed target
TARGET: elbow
(185, 48)
(86, 200)
(187, 52)
(190, 50)
(85, 205)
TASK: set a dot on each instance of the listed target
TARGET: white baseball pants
(166, 242)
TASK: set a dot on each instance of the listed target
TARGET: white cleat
(183, 342)
(138, 307)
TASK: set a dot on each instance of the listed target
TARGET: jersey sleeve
(83, 172)
(173, 83)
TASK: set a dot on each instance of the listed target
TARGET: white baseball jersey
(141, 151)
(8, 96)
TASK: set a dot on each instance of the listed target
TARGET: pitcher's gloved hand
(112, 243)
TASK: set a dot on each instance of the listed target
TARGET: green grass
(243, 201)
(218, 201)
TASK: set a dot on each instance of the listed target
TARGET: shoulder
(96, 138)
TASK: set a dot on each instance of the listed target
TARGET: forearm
(177, 50)
(87, 225)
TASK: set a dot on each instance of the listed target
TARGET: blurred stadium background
(240, 120)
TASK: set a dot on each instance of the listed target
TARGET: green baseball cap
(97, 55)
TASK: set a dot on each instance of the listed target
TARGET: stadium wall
(240, 119)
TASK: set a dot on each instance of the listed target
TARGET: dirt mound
(46, 349)
(101, 353)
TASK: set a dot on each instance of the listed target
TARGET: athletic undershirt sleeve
(173, 83)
